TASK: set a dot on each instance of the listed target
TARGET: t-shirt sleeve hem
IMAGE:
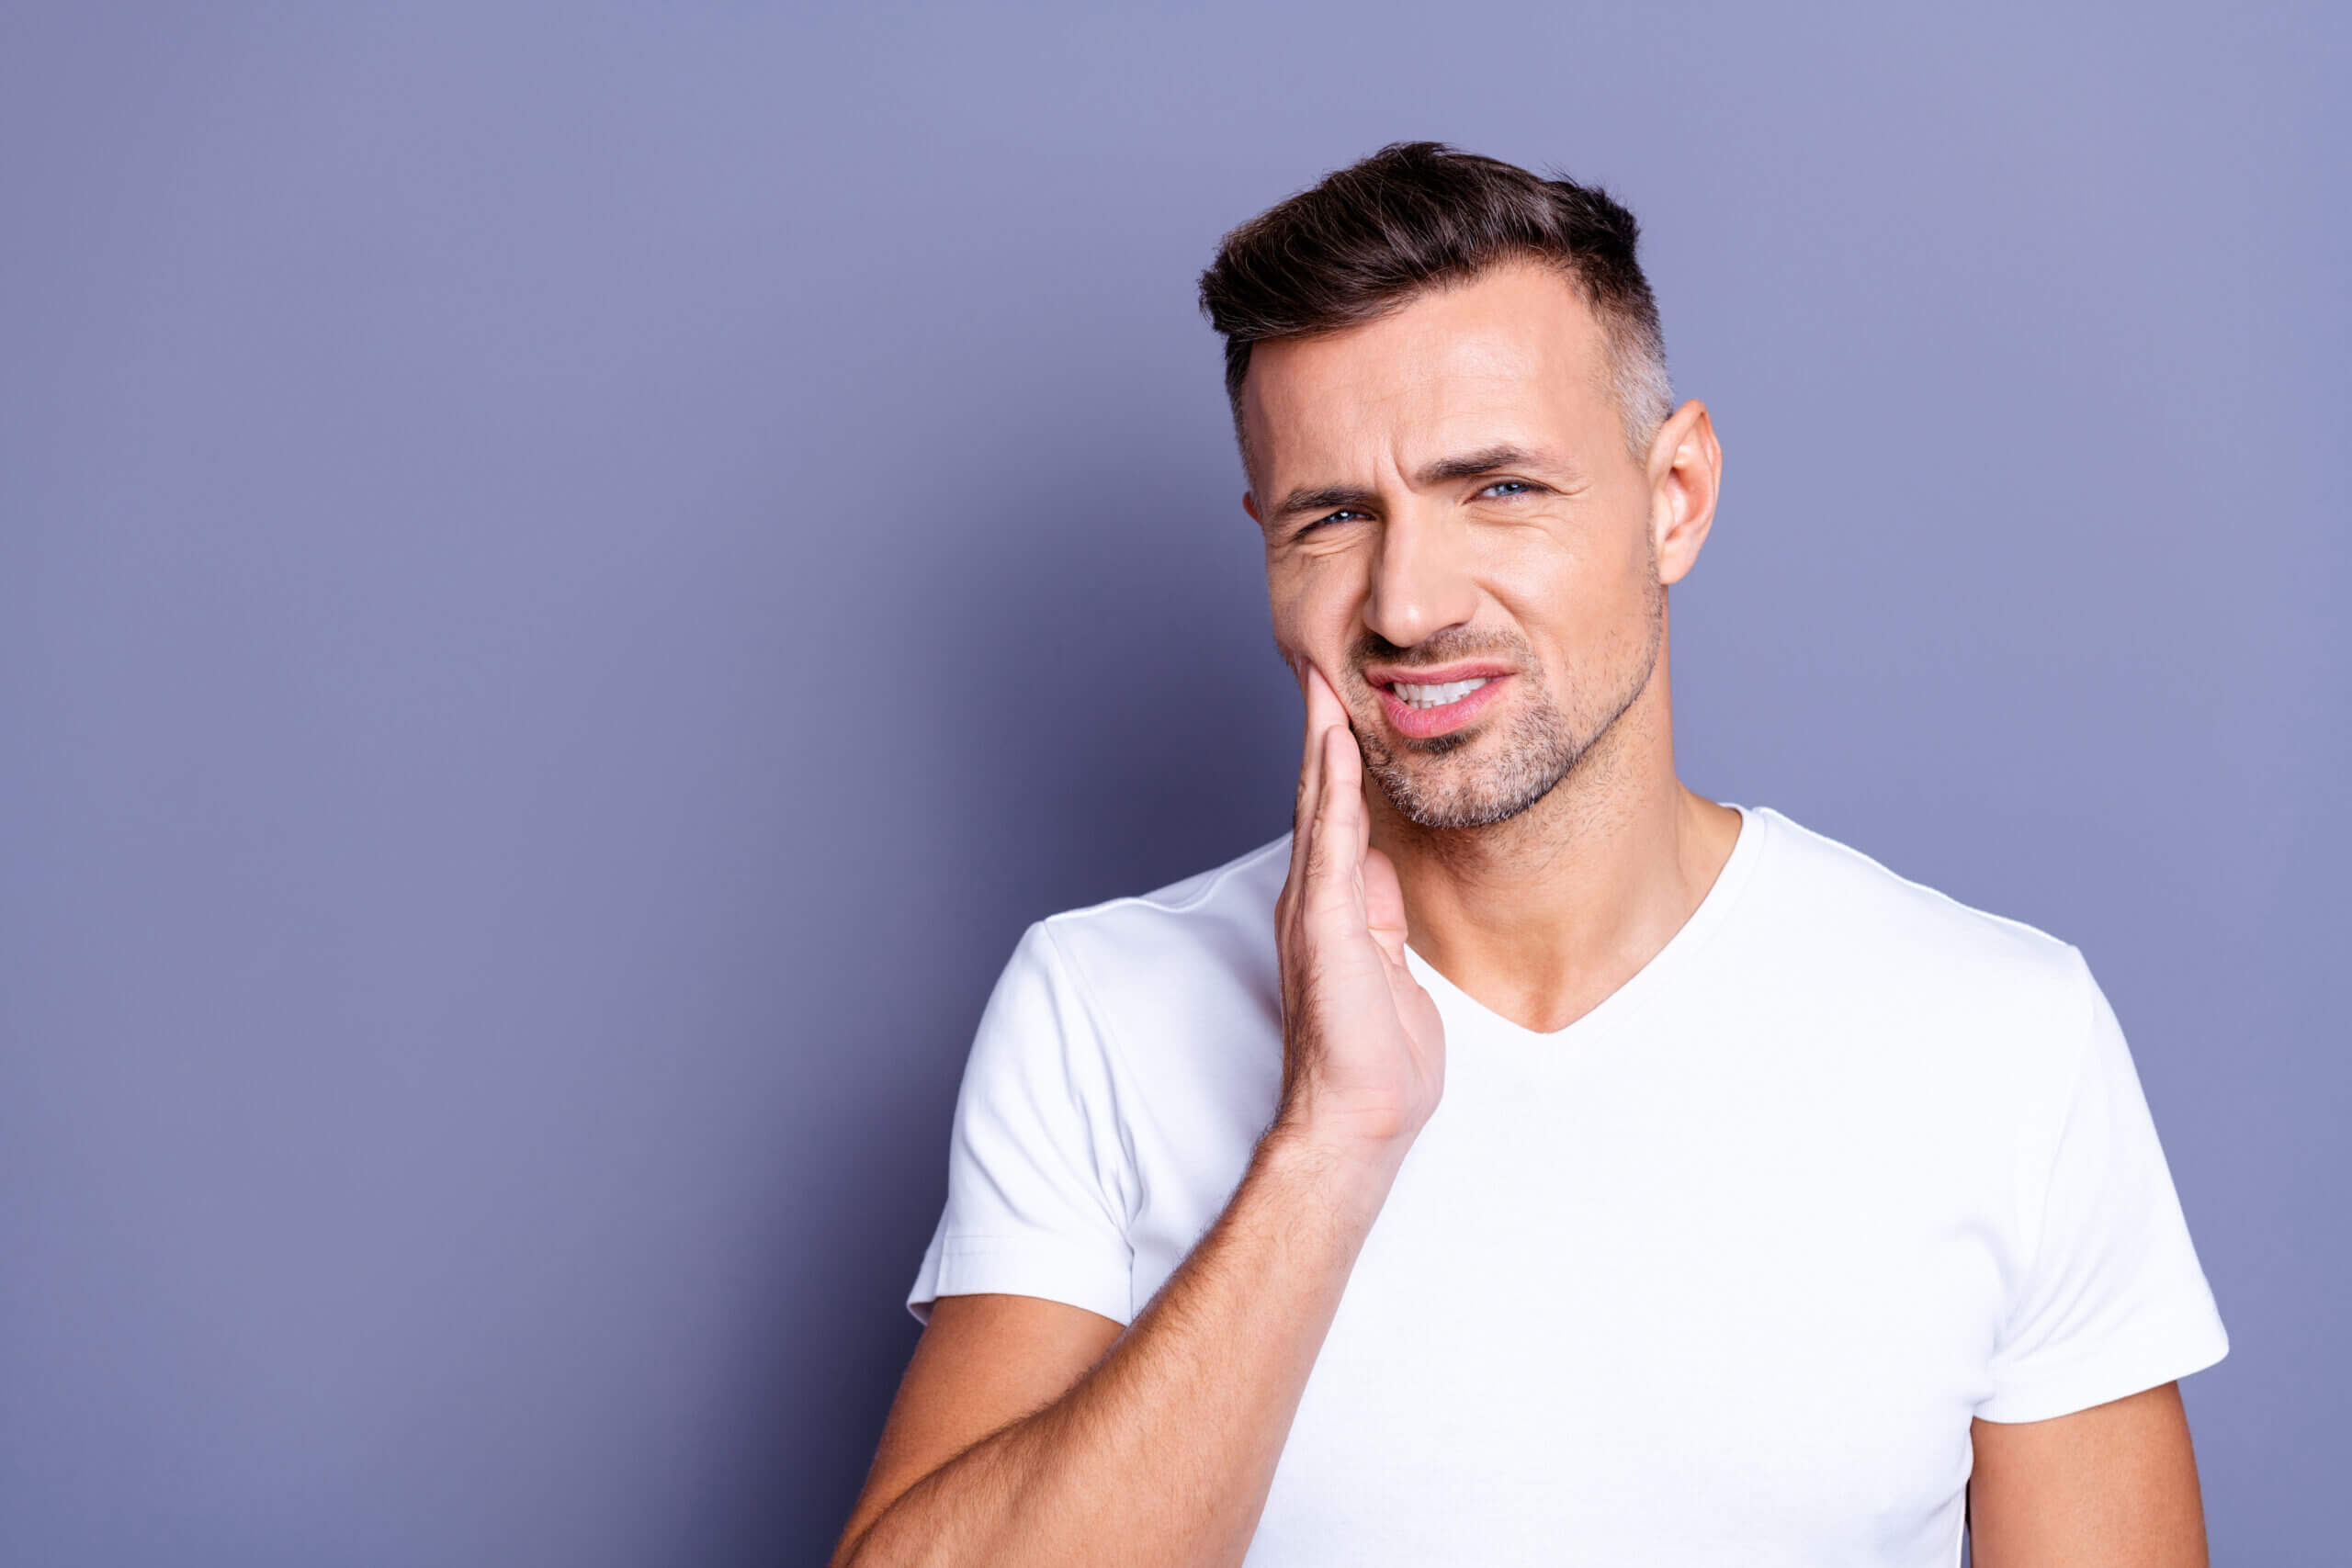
(2115, 1371)
(1023, 1265)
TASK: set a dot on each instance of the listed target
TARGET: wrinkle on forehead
(1514, 358)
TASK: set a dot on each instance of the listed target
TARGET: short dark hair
(1417, 215)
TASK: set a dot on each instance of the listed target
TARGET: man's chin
(1444, 745)
(1454, 804)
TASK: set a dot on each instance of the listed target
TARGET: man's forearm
(1163, 1451)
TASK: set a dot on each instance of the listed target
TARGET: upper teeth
(1438, 697)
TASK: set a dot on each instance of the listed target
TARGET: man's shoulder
(1890, 931)
(1250, 881)
(1215, 924)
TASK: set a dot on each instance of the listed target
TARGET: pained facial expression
(1457, 535)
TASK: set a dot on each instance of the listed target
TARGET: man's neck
(1542, 918)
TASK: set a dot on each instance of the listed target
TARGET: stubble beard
(1522, 764)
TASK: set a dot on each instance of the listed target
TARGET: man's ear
(1249, 504)
(1686, 478)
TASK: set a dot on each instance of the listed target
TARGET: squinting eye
(1342, 516)
(1508, 486)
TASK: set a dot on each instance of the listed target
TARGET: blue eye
(1343, 514)
(1511, 487)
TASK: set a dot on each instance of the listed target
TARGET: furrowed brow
(1503, 458)
(1326, 498)
(1494, 460)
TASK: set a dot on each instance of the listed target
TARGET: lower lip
(1423, 723)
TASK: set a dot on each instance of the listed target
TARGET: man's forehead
(1513, 357)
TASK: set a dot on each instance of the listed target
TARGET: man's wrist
(1352, 1176)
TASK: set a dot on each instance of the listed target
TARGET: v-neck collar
(1738, 869)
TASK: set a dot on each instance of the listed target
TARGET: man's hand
(1363, 1052)
(1018, 1437)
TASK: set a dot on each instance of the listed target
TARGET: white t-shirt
(1717, 1274)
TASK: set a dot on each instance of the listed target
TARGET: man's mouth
(1420, 707)
(1439, 695)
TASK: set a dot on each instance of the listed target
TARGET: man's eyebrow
(1467, 466)
(1324, 498)
(1495, 460)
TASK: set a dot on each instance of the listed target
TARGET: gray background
(570, 578)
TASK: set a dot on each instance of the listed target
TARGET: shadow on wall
(1104, 713)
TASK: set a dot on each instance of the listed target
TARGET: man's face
(1458, 537)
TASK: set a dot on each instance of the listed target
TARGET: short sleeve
(1037, 1177)
(2112, 1301)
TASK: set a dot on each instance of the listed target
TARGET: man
(1528, 1159)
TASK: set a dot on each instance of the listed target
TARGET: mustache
(1440, 647)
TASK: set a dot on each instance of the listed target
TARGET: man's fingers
(1344, 769)
(1323, 710)
(1337, 847)
(1310, 745)
(1332, 825)
(1324, 707)
(1310, 778)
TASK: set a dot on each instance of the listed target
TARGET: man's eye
(1507, 487)
(1342, 516)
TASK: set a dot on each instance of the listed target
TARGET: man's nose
(1421, 584)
